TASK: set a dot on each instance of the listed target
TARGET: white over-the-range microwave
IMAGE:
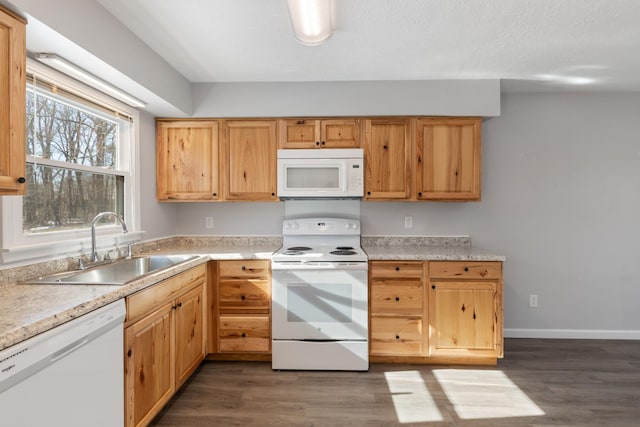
(321, 173)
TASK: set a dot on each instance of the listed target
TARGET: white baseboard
(581, 334)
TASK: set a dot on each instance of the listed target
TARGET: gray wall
(561, 199)
(157, 219)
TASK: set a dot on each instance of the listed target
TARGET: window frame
(19, 247)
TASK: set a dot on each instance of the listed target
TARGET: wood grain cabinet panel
(397, 297)
(465, 318)
(149, 366)
(242, 312)
(448, 159)
(249, 166)
(188, 158)
(242, 333)
(13, 85)
(164, 342)
(387, 154)
(396, 336)
(315, 133)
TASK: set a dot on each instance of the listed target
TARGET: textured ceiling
(587, 44)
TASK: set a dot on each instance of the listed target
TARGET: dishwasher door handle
(68, 349)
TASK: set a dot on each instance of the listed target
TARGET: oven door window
(322, 302)
(319, 304)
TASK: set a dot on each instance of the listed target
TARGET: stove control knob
(287, 225)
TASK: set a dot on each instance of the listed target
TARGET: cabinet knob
(300, 122)
(433, 286)
(397, 337)
(215, 194)
(129, 353)
(397, 298)
(384, 147)
(397, 268)
(244, 268)
(322, 142)
(466, 269)
(318, 143)
(273, 194)
(21, 180)
(243, 297)
(244, 335)
(179, 304)
(420, 194)
(368, 193)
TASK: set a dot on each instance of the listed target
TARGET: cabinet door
(340, 133)
(396, 336)
(310, 133)
(187, 161)
(245, 333)
(250, 160)
(299, 133)
(448, 159)
(387, 148)
(465, 318)
(13, 127)
(189, 333)
(149, 366)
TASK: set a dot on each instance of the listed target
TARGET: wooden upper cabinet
(387, 153)
(187, 160)
(13, 66)
(249, 168)
(448, 159)
(312, 133)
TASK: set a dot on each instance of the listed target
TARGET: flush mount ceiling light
(66, 67)
(311, 20)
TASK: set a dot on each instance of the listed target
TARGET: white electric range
(320, 296)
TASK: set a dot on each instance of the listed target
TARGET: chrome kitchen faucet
(94, 253)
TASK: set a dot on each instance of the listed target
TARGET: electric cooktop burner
(344, 248)
(301, 248)
(342, 252)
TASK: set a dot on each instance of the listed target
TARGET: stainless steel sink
(117, 273)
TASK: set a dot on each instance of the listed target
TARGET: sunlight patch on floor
(482, 394)
(411, 399)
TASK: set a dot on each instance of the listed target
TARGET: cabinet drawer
(465, 270)
(244, 269)
(245, 333)
(396, 336)
(247, 294)
(149, 299)
(384, 269)
(403, 297)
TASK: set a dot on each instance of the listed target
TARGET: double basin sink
(116, 273)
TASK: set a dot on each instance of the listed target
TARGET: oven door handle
(319, 266)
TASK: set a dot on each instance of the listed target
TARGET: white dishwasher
(71, 375)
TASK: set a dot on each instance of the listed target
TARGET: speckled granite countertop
(379, 248)
(27, 310)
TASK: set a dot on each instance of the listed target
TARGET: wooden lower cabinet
(164, 342)
(240, 313)
(435, 312)
(396, 300)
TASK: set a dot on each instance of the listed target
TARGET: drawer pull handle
(397, 298)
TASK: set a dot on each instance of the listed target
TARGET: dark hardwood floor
(540, 382)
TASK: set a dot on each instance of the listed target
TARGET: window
(80, 148)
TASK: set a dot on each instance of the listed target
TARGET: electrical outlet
(208, 222)
(533, 300)
(408, 221)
